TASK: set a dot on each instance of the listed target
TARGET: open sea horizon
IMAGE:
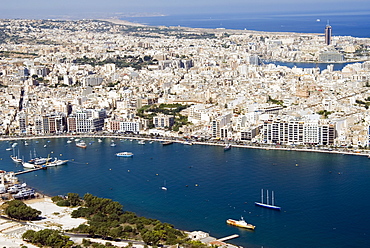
(324, 198)
(352, 23)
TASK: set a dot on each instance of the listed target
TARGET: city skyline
(42, 9)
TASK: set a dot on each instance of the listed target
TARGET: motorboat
(81, 144)
(125, 154)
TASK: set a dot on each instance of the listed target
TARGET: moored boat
(57, 162)
(16, 159)
(141, 142)
(227, 147)
(125, 154)
(240, 223)
(28, 165)
(166, 143)
(81, 144)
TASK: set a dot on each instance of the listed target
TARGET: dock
(228, 237)
(30, 170)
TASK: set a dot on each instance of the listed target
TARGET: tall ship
(240, 223)
(267, 204)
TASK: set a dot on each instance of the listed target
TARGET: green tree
(74, 199)
(19, 210)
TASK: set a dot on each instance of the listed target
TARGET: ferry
(240, 223)
(125, 154)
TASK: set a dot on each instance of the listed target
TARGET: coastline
(334, 150)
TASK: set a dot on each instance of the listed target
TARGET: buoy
(110, 169)
(60, 154)
(128, 170)
(196, 185)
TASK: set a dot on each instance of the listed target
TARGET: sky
(45, 9)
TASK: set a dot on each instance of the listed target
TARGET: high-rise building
(328, 34)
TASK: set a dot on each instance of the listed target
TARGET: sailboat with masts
(267, 204)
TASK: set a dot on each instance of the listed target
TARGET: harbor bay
(323, 197)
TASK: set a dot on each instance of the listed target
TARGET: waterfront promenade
(240, 144)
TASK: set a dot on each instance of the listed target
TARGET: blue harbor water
(324, 197)
(354, 24)
(321, 66)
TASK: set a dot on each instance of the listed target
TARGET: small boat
(28, 165)
(125, 154)
(227, 147)
(9, 149)
(240, 223)
(141, 142)
(164, 186)
(187, 143)
(113, 144)
(267, 205)
(25, 143)
(14, 144)
(100, 141)
(166, 143)
(69, 141)
(81, 144)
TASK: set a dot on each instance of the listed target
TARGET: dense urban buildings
(95, 76)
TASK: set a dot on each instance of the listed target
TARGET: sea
(345, 23)
(324, 198)
(349, 23)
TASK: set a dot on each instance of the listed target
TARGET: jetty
(228, 237)
(30, 170)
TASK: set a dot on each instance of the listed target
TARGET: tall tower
(328, 34)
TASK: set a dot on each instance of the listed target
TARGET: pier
(30, 170)
(228, 237)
